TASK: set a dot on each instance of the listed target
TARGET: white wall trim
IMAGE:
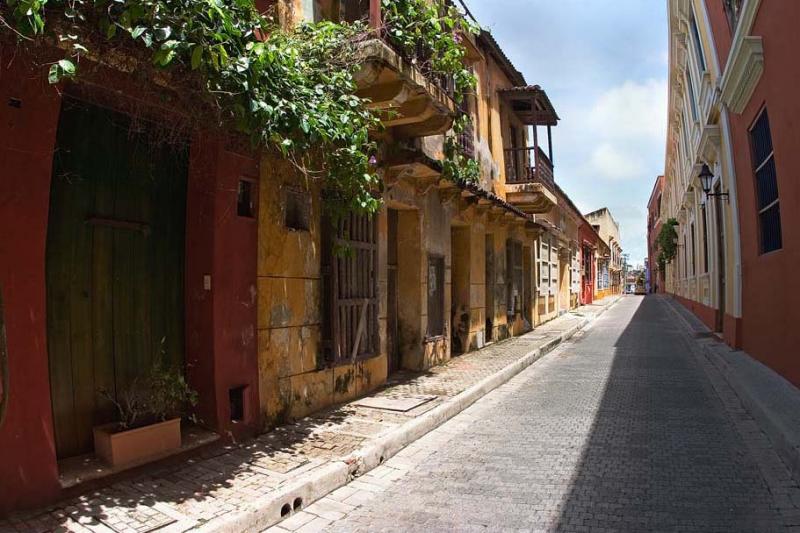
(745, 61)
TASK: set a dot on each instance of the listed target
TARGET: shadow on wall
(662, 453)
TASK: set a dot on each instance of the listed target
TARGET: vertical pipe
(550, 144)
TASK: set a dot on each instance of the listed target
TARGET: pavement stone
(626, 428)
(229, 480)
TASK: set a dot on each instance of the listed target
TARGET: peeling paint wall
(293, 376)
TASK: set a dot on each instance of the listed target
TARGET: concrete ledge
(318, 483)
(772, 401)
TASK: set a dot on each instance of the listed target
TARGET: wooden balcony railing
(528, 165)
(466, 139)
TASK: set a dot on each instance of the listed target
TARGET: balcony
(412, 100)
(529, 171)
(529, 180)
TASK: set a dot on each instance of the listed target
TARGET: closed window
(297, 206)
(692, 98)
(245, 201)
(768, 202)
(698, 44)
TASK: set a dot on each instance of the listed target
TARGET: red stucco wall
(220, 323)
(769, 311)
(707, 315)
(28, 472)
(587, 236)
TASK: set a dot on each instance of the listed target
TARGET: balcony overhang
(531, 197)
(408, 101)
(531, 105)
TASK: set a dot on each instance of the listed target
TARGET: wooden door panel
(114, 265)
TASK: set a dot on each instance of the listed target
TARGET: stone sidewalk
(255, 484)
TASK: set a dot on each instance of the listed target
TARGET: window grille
(766, 180)
(351, 289)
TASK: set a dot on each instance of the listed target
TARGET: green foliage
(667, 243)
(457, 166)
(430, 33)
(293, 90)
(159, 395)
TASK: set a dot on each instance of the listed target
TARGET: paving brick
(624, 429)
(224, 481)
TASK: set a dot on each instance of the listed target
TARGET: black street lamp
(706, 178)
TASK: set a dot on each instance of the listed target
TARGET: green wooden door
(115, 260)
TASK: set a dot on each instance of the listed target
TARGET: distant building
(610, 266)
(655, 276)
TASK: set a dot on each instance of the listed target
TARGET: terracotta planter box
(121, 448)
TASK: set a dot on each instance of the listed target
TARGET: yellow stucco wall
(293, 378)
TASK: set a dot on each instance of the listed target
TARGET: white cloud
(615, 163)
(626, 126)
(631, 111)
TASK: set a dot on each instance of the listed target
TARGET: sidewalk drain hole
(285, 510)
(380, 461)
(298, 504)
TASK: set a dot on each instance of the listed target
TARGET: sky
(604, 65)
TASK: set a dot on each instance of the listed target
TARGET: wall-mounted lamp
(706, 178)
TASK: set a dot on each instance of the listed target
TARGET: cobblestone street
(625, 428)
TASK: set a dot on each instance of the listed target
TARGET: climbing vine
(667, 243)
(291, 89)
(431, 33)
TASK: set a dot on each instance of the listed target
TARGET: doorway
(392, 329)
(490, 287)
(527, 281)
(460, 289)
(115, 265)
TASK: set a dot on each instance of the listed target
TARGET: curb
(767, 419)
(315, 485)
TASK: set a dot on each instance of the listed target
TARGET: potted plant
(150, 412)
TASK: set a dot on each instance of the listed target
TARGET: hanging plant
(667, 243)
(290, 89)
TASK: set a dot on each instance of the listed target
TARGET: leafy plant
(667, 243)
(457, 166)
(160, 395)
(290, 89)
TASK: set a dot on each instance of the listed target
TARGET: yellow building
(443, 268)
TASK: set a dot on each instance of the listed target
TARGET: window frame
(437, 298)
(758, 166)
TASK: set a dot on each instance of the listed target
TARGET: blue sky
(604, 65)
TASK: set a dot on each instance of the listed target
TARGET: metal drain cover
(400, 404)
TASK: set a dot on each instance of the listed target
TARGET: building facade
(135, 241)
(655, 276)
(731, 121)
(609, 280)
